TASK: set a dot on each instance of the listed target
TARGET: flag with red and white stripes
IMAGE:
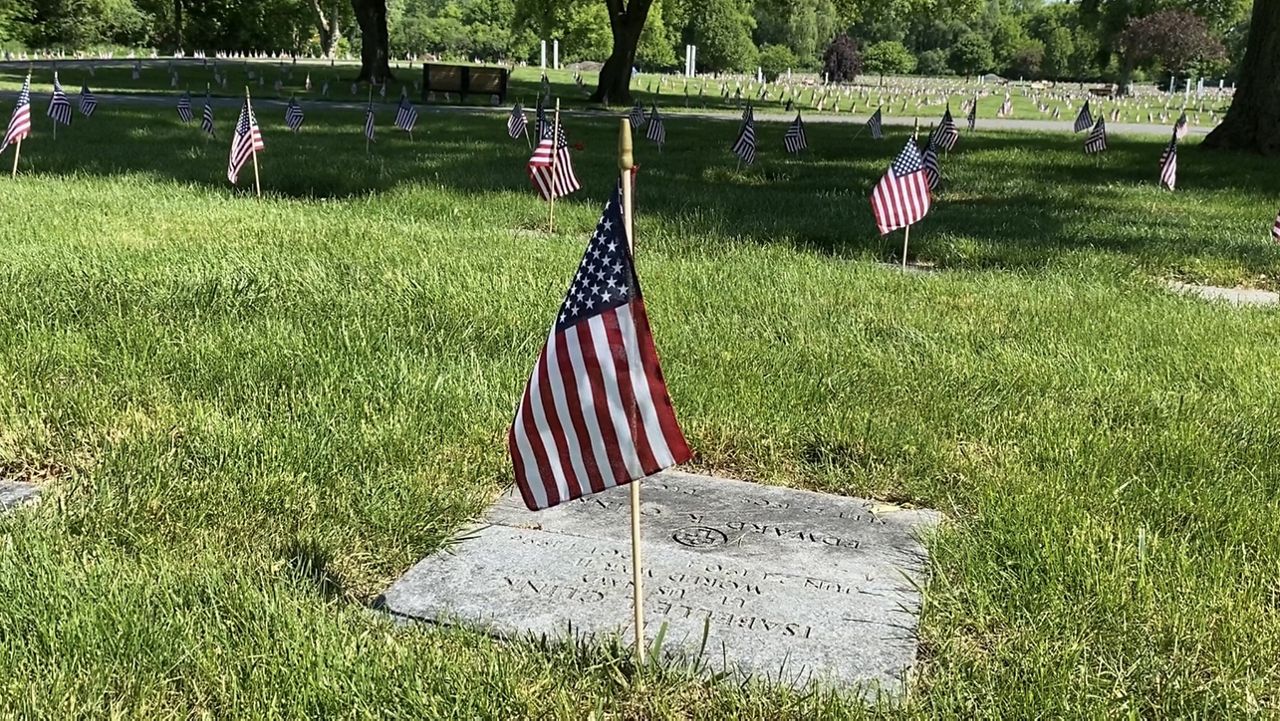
(20, 121)
(902, 195)
(551, 168)
(246, 142)
(1169, 163)
(1275, 229)
(595, 413)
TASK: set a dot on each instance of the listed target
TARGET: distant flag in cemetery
(550, 168)
(973, 114)
(368, 123)
(745, 146)
(595, 412)
(874, 125)
(406, 115)
(946, 134)
(293, 116)
(184, 107)
(636, 118)
(1180, 128)
(1169, 163)
(657, 131)
(902, 197)
(516, 123)
(929, 159)
(1275, 229)
(1097, 140)
(545, 85)
(246, 142)
(206, 118)
(794, 140)
(88, 103)
(59, 104)
(543, 124)
(1084, 119)
(20, 121)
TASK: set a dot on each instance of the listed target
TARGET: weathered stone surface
(1236, 296)
(13, 493)
(790, 585)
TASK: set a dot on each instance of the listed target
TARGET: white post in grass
(555, 54)
(625, 164)
(544, 54)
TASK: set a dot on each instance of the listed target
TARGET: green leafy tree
(776, 60)
(1058, 48)
(657, 48)
(888, 57)
(722, 31)
(933, 62)
(971, 55)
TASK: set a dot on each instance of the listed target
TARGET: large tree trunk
(626, 21)
(328, 25)
(375, 53)
(177, 24)
(1253, 122)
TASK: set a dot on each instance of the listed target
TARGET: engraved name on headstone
(791, 585)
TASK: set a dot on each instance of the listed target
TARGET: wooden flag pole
(17, 151)
(367, 108)
(555, 153)
(253, 147)
(906, 238)
(625, 164)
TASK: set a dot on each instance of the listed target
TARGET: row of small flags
(550, 167)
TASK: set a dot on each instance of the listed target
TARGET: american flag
(545, 86)
(541, 121)
(874, 124)
(596, 412)
(551, 168)
(406, 115)
(902, 195)
(184, 107)
(206, 119)
(1084, 119)
(973, 114)
(59, 105)
(1180, 128)
(946, 134)
(293, 115)
(88, 103)
(657, 131)
(368, 123)
(636, 118)
(794, 140)
(1097, 140)
(745, 146)
(932, 169)
(516, 123)
(245, 142)
(1275, 229)
(20, 121)
(1169, 163)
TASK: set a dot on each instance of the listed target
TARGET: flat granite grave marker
(789, 585)
(16, 493)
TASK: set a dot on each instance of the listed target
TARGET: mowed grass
(898, 96)
(250, 416)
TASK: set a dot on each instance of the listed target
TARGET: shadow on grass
(1010, 201)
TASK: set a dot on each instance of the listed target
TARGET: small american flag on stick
(657, 131)
(1097, 140)
(206, 118)
(406, 115)
(595, 413)
(946, 135)
(1084, 119)
(20, 121)
(293, 116)
(88, 103)
(551, 168)
(1169, 163)
(59, 104)
(246, 143)
(902, 196)
(184, 107)
(745, 146)
(874, 124)
(516, 123)
(1275, 229)
(794, 141)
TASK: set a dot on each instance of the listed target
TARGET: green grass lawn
(669, 92)
(250, 416)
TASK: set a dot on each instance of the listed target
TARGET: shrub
(888, 57)
(841, 62)
(776, 60)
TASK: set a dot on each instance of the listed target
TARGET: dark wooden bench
(464, 80)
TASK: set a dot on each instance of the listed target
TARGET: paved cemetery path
(168, 100)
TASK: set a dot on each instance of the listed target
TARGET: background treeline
(1088, 40)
